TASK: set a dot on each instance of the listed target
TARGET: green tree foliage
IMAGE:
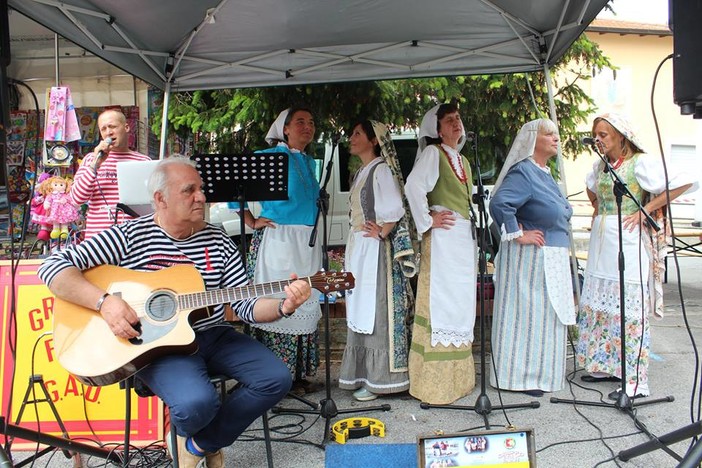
(493, 106)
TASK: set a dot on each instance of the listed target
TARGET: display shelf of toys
(39, 159)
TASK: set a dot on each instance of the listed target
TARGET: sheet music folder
(253, 176)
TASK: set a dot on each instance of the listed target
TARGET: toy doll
(60, 210)
(38, 213)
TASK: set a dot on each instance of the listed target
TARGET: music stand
(243, 177)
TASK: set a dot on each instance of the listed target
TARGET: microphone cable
(695, 403)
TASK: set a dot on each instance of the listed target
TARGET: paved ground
(567, 435)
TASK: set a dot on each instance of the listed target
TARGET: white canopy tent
(182, 45)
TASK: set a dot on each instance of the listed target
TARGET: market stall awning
(209, 44)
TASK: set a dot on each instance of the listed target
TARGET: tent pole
(561, 173)
(164, 121)
(56, 60)
(554, 117)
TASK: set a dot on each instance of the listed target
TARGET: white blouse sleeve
(420, 182)
(651, 176)
(388, 199)
(591, 177)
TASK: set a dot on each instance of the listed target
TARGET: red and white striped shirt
(100, 190)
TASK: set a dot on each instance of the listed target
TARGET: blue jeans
(182, 382)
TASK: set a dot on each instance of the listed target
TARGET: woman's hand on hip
(262, 222)
(632, 221)
(442, 219)
(534, 237)
(372, 229)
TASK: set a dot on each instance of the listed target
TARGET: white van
(338, 187)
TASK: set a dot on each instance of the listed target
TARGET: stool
(142, 390)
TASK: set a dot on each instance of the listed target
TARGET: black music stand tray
(243, 177)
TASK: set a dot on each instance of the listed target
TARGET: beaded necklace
(617, 163)
(458, 171)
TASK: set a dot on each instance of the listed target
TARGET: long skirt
(528, 338)
(366, 360)
(298, 350)
(599, 345)
(439, 374)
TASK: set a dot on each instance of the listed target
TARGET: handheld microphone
(100, 156)
(470, 137)
(588, 141)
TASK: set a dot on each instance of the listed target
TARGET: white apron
(452, 292)
(286, 250)
(362, 256)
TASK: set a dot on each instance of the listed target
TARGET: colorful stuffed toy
(38, 213)
(60, 209)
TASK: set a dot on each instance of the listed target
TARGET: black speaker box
(686, 22)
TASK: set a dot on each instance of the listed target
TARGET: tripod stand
(623, 401)
(63, 443)
(327, 407)
(482, 406)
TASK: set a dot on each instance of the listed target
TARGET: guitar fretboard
(202, 299)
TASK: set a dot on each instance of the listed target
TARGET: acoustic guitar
(167, 302)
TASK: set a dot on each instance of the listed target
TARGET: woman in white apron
(280, 246)
(599, 344)
(439, 190)
(379, 254)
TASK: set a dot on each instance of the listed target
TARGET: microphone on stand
(589, 141)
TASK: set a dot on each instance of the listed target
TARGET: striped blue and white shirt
(142, 245)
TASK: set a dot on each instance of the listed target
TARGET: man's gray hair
(158, 181)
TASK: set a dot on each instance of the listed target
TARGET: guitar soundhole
(161, 306)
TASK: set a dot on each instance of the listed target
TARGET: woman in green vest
(439, 190)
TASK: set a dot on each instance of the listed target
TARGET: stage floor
(559, 428)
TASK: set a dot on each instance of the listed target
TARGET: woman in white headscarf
(533, 304)
(280, 246)
(379, 253)
(599, 349)
(439, 190)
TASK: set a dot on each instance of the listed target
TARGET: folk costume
(379, 308)
(599, 348)
(276, 253)
(441, 360)
(533, 304)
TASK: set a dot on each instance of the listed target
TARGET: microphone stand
(624, 402)
(327, 407)
(482, 406)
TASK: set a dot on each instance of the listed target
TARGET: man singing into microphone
(96, 179)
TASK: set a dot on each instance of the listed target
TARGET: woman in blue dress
(280, 246)
(533, 305)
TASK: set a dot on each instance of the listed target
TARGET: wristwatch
(280, 309)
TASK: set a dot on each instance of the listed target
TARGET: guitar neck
(202, 299)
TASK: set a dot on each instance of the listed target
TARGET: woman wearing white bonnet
(598, 350)
(533, 304)
(439, 190)
(280, 246)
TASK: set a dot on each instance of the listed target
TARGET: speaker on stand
(685, 17)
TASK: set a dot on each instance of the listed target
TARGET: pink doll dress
(61, 209)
